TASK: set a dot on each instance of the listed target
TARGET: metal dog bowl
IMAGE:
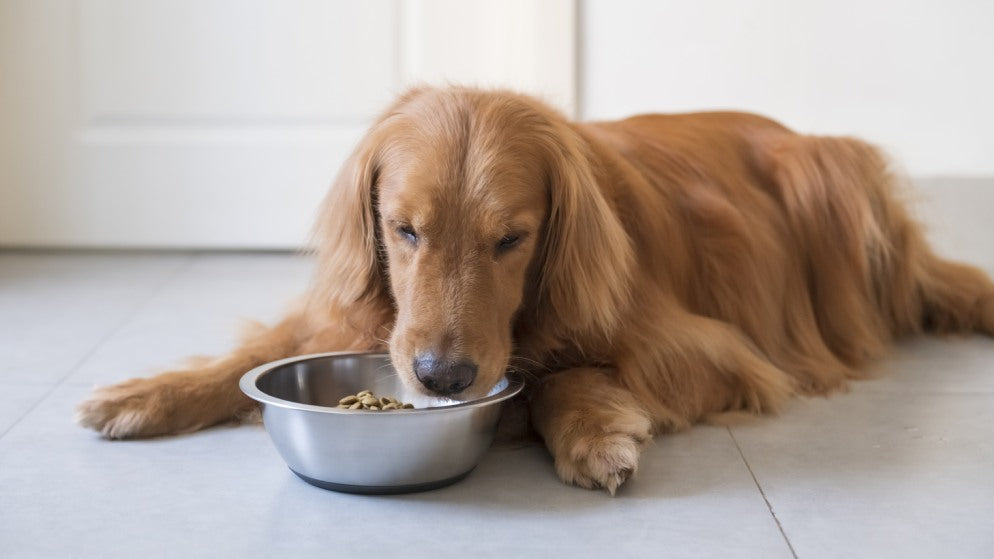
(398, 451)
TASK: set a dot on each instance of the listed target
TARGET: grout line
(761, 492)
(191, 258)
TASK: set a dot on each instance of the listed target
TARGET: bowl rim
(248, 385)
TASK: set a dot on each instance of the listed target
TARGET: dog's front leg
(593, 426)
(188, 399)
(204, 395)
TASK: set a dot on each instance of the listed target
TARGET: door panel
(232, 60)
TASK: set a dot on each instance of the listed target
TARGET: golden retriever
(646, 274)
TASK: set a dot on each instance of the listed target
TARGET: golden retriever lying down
(646, 274)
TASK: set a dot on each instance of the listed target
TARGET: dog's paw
(603, 460)
(131, 409)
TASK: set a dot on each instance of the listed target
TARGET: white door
(220, 123)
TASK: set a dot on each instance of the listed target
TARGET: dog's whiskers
(383, 341)
(527, 374)
(528, 361)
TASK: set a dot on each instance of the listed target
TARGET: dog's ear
(587, 257)
(350, 274)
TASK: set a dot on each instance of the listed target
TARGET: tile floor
(902, 466)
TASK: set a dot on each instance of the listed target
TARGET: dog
(643, 274)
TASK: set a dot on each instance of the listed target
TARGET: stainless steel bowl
(399, 451)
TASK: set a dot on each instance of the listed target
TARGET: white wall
(220, 123)
(914, 76)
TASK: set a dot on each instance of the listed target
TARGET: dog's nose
(443, 376)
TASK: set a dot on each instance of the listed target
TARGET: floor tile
(16, 399)
(200, 312)
(899, 467)
(950, 365)
(226, 492)
(880, 475)
(57, 307)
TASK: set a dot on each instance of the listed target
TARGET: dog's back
(802, 242)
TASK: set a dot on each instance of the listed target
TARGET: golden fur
(664, 269)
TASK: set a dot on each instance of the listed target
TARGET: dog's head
(468, 210)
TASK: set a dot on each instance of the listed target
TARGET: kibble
(368, 401)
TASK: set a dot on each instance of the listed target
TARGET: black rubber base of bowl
(381, 489)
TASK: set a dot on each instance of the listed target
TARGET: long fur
(679, 267)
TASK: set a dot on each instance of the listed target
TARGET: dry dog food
(366, 400)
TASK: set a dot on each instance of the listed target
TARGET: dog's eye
(507, 242)
(408, 233)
